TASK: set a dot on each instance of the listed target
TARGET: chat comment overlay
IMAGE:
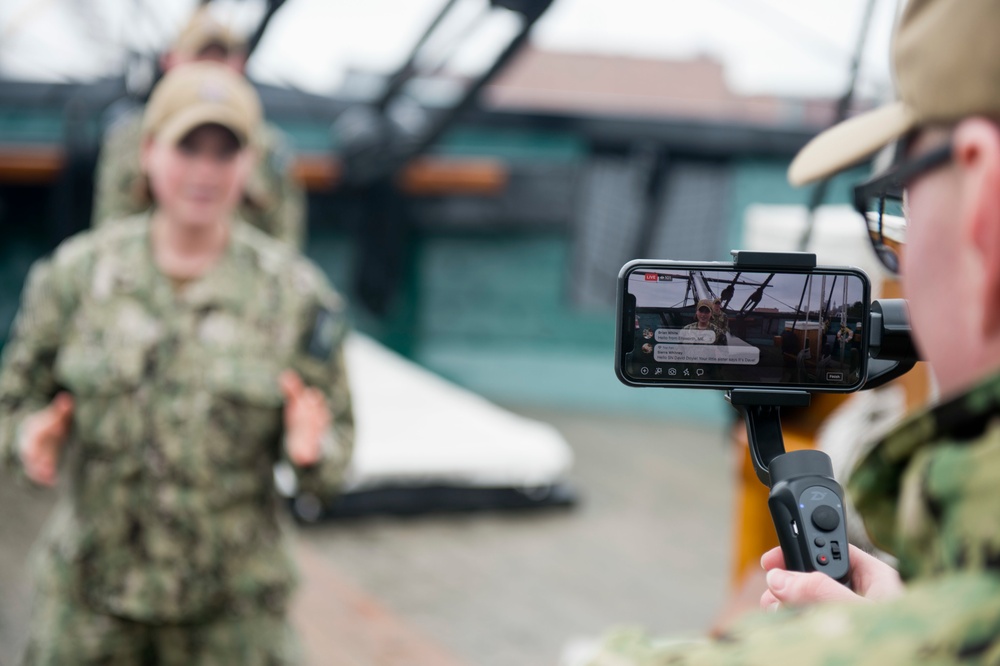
(705, 353)
(685, 336)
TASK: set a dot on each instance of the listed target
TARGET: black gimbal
(806, 503)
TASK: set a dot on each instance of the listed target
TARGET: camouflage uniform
(168, 534)
(930, 494)
(720, 320)
(274, 201)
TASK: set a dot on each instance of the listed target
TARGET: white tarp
(415, 428)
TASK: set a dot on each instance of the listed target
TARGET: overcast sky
(782, 292)
(788, 47)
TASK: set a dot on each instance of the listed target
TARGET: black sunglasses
(880, 202)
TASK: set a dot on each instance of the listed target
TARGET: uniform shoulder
(72, 264)
(83, 246)
(124, 123)
(272, 254)
(275, 148)
(286, 264)
(271, 134)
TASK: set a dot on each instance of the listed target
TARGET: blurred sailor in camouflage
(929, 491)
(170, 359)
(273, 201)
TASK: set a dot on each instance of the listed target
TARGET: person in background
(703, 322)
(273, 201)
(719, 318)
(171, 359)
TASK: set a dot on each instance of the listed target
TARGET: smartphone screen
(714, 326)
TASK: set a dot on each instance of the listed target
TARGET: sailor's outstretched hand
(42, 437)
(307, 418)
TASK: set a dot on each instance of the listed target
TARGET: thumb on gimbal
(793, 588)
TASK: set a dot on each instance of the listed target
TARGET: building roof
(622, 85)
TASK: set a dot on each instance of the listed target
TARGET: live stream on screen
(767, 328)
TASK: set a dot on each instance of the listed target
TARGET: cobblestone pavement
(647, 546)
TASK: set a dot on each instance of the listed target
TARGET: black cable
(272, 7)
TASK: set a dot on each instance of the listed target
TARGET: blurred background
(477, 172)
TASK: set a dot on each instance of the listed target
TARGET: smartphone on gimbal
(722, 326)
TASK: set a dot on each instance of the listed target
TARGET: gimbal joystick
(807, 507)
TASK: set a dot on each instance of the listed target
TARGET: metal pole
(818, 194)
(405, 73)
(272, 7)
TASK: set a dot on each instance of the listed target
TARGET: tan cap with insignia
(201, 93)
(205, 30)
(946, 57)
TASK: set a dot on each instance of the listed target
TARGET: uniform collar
(134, 272)
(226, 283)
(963, 417)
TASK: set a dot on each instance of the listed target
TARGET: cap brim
(850, 142)
(202, 114)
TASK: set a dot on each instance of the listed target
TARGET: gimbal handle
(806, 503)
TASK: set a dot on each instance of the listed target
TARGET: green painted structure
(488, 295)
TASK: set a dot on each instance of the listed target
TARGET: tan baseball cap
(946, 57)
(204, 30)
(704, 303)
(202, 93)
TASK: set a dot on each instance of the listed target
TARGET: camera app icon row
(646, 370)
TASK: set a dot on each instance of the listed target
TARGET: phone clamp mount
(806, 503)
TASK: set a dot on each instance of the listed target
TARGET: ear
(146, 153)
(976, 144)
(248, 161)
(237, 62)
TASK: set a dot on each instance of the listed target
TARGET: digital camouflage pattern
(78, 635)
(720, 320)
(170, 514)
(929, 493)
(274, 201)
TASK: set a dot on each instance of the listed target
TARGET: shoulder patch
(324, 333)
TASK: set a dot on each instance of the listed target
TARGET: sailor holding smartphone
(929, 491)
